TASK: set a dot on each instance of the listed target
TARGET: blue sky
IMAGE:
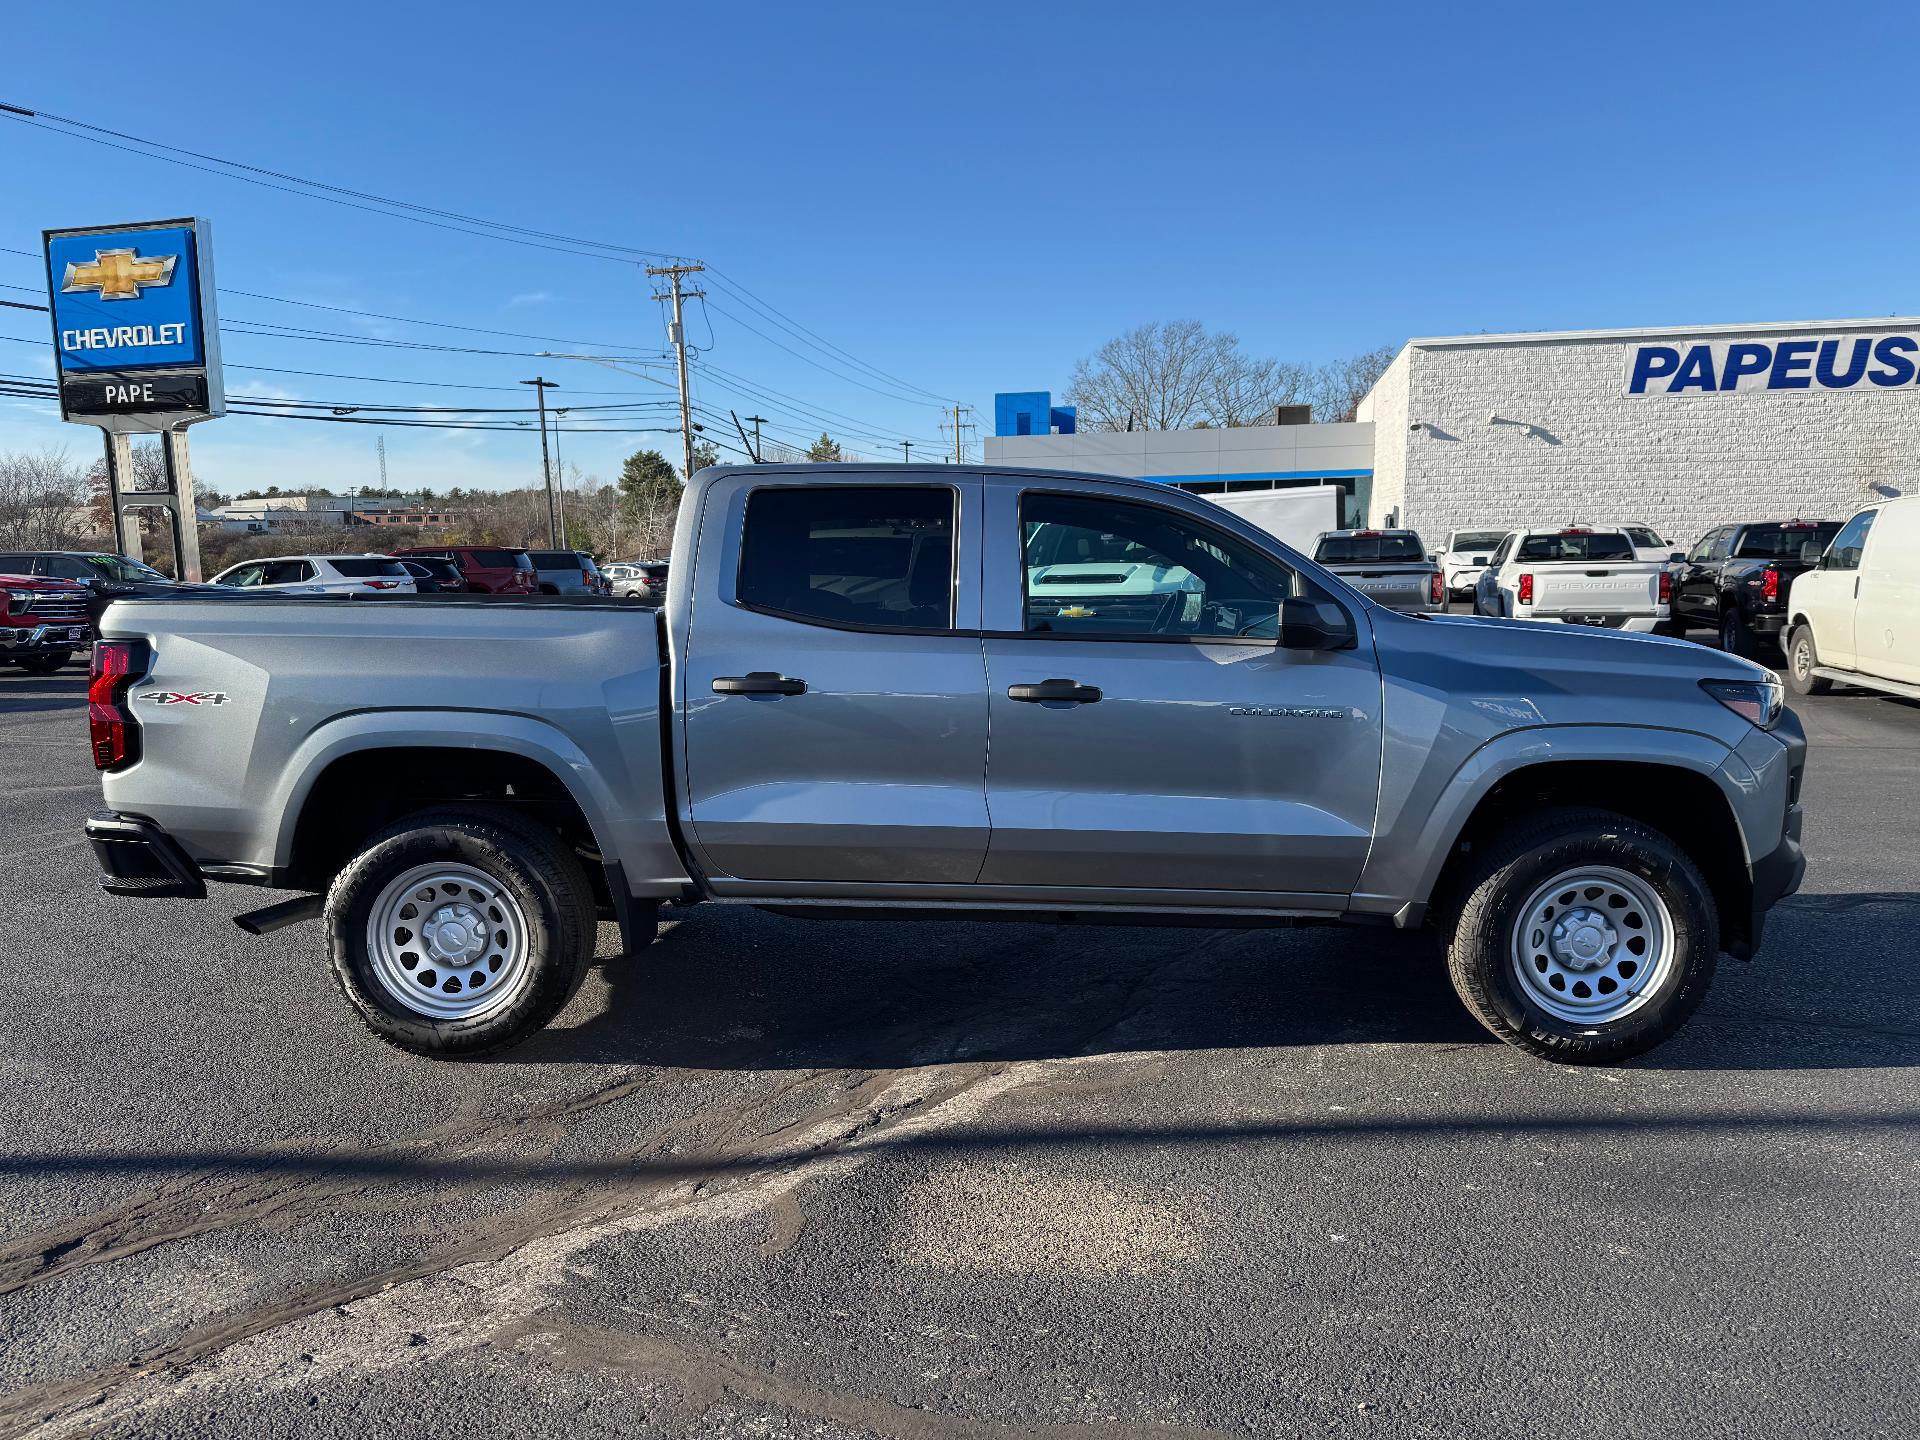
(966, 197)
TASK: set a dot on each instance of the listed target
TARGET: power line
(495, 230)
(413, 211)
(794, 327)
(352, 310)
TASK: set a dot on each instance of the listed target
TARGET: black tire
(531, 862)
(1736, 635)
(44, 664)
(1801, 659)
(1527, 856)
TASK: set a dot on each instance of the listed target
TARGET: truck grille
(62, 609)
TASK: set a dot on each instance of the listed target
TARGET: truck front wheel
(44, 664)
(1583, 937)
(1802, 657)
(460, 930)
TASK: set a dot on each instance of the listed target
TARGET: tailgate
(1392, 585)
(1580, 588)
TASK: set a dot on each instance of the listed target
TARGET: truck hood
(42, 583)
(1092, 577)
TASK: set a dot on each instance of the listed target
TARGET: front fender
(1407, 858)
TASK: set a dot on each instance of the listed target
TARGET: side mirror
(1811, 552)
(1315, 625)
(1678, 557)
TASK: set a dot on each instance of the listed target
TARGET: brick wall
(1680, 464)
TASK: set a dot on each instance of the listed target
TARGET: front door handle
(759, 682)
(1071, 691)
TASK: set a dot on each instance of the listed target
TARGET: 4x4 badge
(197, 697)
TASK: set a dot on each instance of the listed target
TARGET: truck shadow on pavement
(730, 988)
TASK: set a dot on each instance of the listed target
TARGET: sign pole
(126, 525)
(186, 515)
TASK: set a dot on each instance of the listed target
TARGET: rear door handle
(759, 682)
(1071, 691)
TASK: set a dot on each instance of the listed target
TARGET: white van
(1855, 619)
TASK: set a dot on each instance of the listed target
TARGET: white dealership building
(1680, 428)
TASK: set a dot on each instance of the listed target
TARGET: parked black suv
(1734, 581)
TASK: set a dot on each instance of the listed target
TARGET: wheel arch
(1682, 801)
(356, 775)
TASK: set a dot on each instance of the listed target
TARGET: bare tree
(43, 500)
(1173, 375)
(1338, 388)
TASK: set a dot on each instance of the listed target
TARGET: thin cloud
(528, 297)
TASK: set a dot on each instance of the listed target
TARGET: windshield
(118, 567)
(1782, 542)
(1476, 539)
(1335, 549)
(1575, 547)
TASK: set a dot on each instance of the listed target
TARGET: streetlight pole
(541, 386)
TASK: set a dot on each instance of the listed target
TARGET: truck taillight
(1436, 588)
(1769, 584)
(111, 728)
(1666, 587)
(1526, 589)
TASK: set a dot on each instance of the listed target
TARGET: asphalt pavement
(782, 1177)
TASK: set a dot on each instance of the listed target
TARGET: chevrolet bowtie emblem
(119, 274)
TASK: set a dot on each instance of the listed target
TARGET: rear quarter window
(493, 559)
(360, 567)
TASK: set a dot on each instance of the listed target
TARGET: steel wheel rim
(1592, 945)
(449, 941)
(1803, 658)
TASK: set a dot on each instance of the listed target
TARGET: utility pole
(756, 421)
(677, 332)
(959, 433)
(559, 474)
(906, 452)
(541, 386)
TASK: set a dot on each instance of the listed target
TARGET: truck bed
(252, 697)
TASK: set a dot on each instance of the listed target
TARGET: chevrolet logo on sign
(118, 274)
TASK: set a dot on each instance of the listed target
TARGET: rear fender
(479, 731)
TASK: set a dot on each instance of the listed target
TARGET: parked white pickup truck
(950, 690)
(1575, 575)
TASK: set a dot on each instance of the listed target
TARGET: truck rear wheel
(1736, 635)
(1583, 937)
(461, 930)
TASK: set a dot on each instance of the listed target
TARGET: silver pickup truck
(979, 692)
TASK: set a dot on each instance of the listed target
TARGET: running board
(1866, 682)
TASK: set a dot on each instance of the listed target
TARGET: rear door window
(287, 572)
(872, 557)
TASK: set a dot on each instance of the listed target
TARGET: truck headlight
(1757, 701)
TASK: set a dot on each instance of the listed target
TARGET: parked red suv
(490, 569)
(42, 621)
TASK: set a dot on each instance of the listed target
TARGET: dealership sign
(135, 333)
(1865, 363)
